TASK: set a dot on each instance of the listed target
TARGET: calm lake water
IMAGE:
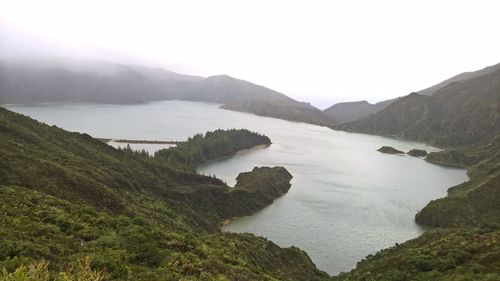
(347, 200)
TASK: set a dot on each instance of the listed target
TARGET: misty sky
(318, 51)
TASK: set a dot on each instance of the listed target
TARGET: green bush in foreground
(39, 271)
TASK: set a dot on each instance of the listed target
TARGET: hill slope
(66, 195)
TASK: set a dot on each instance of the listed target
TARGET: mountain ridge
(346, 112)
(106, 82)
(463, 113)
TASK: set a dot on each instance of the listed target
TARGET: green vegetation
(389, 150)
(202, 148)
(65, 196)
(39, 271)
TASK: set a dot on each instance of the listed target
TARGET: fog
(318, 51)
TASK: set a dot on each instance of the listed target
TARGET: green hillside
(65, 196)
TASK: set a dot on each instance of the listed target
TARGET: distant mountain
(349, 111)
(226, 89)
(465, 112)
(291, 112)
(105, 82)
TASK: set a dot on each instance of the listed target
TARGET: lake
(347, 200)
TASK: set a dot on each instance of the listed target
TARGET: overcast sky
(318, 51)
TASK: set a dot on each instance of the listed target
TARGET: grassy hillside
(66, 196)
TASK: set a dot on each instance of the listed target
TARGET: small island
(417, 153)
(389, 150)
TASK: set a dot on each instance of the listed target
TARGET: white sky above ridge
(318, 51)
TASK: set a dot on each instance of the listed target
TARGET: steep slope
(462, 113)
(105, 82)
(350, 111)
(66, 195)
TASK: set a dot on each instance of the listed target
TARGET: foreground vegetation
(65, 196)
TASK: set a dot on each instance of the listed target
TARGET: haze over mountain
(106, 82)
